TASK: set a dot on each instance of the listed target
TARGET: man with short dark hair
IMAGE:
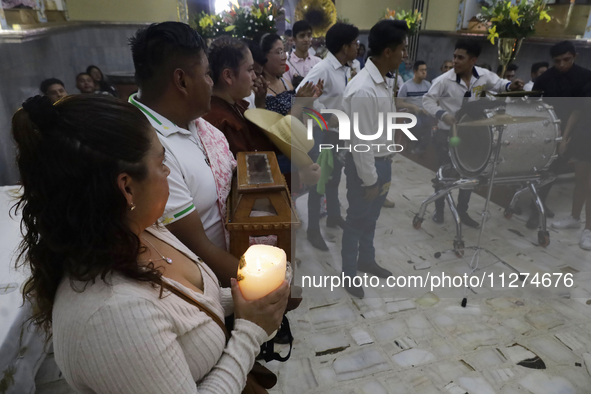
(537, 69)
(300, 61)
(563, 79)
(416, 87)
(85, 83)
(54, 89)
(172, 73)
(445, 67)
(444, 100)
(410, 97)
(341, 41)
(288, 41)
(369, 173)
(509, 72)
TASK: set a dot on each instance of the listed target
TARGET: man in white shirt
(369, 172)
(341, 41)
(172, 72)
(509, 72)
(444, 100)
(537, 69)
(300, 61)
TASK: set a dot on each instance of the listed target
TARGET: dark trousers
(442, 148)
(333, 206)
(362, 215)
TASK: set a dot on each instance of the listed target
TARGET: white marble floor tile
(416, 341)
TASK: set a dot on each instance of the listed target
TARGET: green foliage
(513, 21)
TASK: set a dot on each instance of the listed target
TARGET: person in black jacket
(565, 79)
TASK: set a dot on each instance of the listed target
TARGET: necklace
(167, 259)
(199, 144)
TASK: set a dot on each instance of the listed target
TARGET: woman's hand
(260, 91)
(306, 91)
(266, 312)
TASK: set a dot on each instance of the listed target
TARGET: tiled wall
(61, 55)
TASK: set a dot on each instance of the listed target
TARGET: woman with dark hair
(280, 91)
(232, 71)
(233, 74)
(100, 82)
(130, 308)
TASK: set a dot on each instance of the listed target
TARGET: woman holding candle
(111, 287)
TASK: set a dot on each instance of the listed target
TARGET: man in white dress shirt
(369, 173)
(341, 41)
(444, 100)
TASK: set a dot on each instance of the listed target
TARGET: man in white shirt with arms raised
(444, 100)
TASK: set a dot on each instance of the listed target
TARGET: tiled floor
(398, 341)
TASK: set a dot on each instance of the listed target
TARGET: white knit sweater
(123, 338)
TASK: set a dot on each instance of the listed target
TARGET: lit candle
(261, 270)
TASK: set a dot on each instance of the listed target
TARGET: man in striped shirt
(411, 97)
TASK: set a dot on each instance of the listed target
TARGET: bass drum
(527, 148)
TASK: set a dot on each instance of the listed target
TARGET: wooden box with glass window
(260, 209)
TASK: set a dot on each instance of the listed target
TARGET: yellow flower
(514, 14)
(544, 15)
(492, 34)
(206, 21)
(498, 18)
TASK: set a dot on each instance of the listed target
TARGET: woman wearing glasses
(280, 91)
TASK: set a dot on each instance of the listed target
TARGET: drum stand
(449, 184)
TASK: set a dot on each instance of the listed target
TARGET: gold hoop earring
(132, 207)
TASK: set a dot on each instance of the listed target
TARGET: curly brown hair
(73, 212)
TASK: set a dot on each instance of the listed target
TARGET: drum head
(472, 154)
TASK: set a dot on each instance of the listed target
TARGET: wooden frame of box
(258, 178)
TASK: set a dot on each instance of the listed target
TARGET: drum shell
(526, 148)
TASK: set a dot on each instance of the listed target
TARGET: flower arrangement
(210, 26)
(259, 17)
(513, 20)
(240, 22)
(413, 19)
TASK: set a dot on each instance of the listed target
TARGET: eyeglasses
(279, 53)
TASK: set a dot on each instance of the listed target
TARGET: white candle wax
(261, 270)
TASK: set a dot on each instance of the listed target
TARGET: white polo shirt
(448, 91)
(191, 181)
(368, 94)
